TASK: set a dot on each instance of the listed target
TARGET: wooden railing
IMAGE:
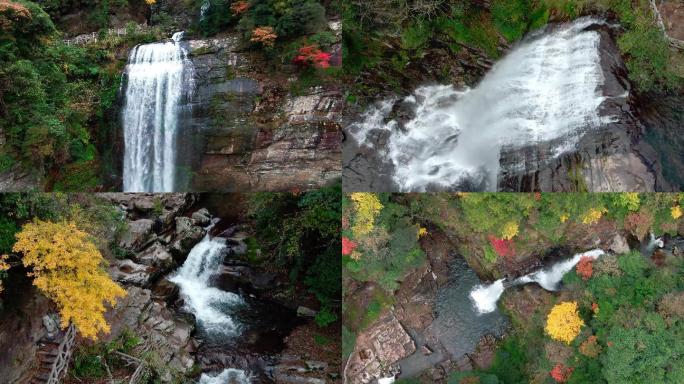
(54, 362)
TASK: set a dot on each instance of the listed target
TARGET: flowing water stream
(157, 78)
(485, 297)
(546, 90)
(211, 306)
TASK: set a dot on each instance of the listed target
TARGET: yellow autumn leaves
(367, 206)
(563, 322)
(68, 269)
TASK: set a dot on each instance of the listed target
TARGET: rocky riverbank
(277, 341)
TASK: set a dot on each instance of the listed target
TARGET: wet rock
(202, 217)
(165, 290)
(187, 235)
(305, 312)
(380, 346)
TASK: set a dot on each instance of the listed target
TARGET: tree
(366, 206)
(561, 373)
(68, 268)
(563, 322)
(585, 267)
(264, 35)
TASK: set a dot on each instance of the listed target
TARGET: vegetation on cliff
(301, 233)
(383, 38)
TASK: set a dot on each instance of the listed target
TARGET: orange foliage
(264, 35)
(585, 267)
(239, 7)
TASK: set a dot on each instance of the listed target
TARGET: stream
(240, 334)
(548, 90)
(466, 311)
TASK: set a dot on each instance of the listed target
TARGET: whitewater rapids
(548, 89)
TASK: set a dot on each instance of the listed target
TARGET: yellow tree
(366, 206)
(68, 268)
(563, 323)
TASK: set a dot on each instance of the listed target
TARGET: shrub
(561, 373)
(312, 56)
(264, 35)
(585, 267)
(563, 322)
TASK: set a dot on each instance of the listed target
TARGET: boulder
(137, 234)
(187, 235)
(202, 217)
(129, 272)
(165, 290)
(157, 256)
(303, 311)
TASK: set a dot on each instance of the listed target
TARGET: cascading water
(211, 306)
(204, 9)
(485, 297)
(547, 89)
(158, 76)
(228, 376)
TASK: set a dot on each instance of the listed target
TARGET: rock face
(606, 160)
(246, 131)
(377, 349)
(161, 330)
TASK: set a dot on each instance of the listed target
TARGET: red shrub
(239, 7)
(561, 373)
(348, 246)
(585, 267)
(311, 55)
(502, 247)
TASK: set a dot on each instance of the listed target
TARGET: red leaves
(239, 7)
(348, 246)
(585, 267)
(561, 373)
(311, 55)
(502, 247)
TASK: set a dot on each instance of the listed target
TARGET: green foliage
(89, 360)
(302, 233)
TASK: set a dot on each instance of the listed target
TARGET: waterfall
(485, 297)
(204, 9)
(228, 376)
(211, 306)
(546, 90)
(157, 77)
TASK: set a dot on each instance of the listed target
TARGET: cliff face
(248, 131)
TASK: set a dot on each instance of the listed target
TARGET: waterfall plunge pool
(466, 311)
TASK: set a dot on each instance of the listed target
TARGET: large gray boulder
(137, 234)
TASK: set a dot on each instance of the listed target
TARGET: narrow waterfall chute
(157, 78)
(548, 89)
(486, 296)
(210, 305)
